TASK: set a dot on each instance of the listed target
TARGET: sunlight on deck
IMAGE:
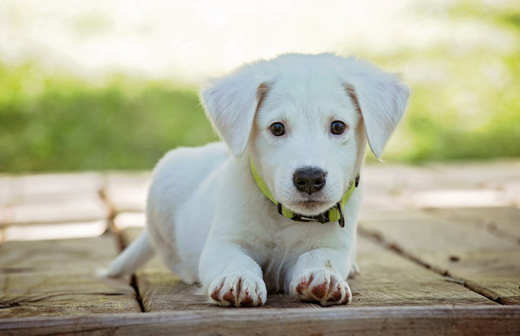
(452, 198)
(45, 231)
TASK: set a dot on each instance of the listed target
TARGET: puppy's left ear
(381, 99)
(231, 103)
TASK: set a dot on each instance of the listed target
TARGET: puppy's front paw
(239, 290)
(321, 286)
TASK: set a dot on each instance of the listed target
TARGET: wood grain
(502, 221)
(461, 249)
(54, 278)
(474, 321)
(386, 280)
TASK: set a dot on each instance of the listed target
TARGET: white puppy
(297, 128)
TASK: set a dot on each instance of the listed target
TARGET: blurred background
(97, 85)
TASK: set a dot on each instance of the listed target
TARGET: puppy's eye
(337, 127)
(278, 129)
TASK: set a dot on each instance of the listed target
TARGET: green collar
(331, 215)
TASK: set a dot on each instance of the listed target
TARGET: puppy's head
(304, 121)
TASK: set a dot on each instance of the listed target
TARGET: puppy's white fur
(209, 221)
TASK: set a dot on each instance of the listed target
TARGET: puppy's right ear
(231, 103)
(381, 99)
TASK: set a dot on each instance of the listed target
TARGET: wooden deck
(439, 251)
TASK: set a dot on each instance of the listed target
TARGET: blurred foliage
(62, 123)
(465, 105)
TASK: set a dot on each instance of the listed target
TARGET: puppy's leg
(354, 268)
(319, 275)
(132, 258)
(232, 277)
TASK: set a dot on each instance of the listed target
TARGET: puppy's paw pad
(321, 286)
(244, 290)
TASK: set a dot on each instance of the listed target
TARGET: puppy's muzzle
(309, 179)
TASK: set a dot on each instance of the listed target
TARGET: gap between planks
(112, 213)
(135, 286)
(120, 243)
(376, 238)
(460, 247)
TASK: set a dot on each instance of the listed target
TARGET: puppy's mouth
(310, 207)
(312, 204)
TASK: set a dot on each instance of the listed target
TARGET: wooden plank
(512, 190)
(486, 263)
(47, 231)
(368, 214)
(379, 199)
(383, 183)
(502, 221)
(54, 278)
(386, 280)
(5, 215)
(52, 206)
(393, 186)
(479, 174)
(127, 192)
(6, 190)
(58, 209)
(454, 198)
(6, 199)
(34, 188)
(396, 177)
(476, 320)
(435, 185)
(37, 188)
(126, 220)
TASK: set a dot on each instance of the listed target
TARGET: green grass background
(471, 110)
(61, 123)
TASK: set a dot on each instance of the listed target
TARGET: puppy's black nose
(309, 180)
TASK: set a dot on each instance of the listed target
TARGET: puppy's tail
(132, 258)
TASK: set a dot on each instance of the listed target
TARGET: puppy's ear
(381, 100)
(231, 104)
